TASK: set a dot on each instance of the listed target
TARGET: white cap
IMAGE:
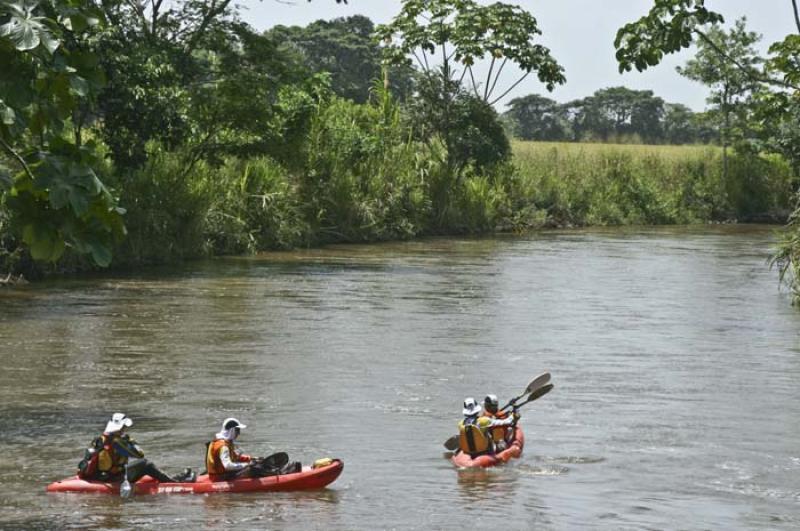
(228, 431)
(230, 423)
(471, 407)
(117, 422)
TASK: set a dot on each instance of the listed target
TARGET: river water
(675, 357)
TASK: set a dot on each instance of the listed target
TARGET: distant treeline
(613, 115)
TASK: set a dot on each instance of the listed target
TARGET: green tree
(679, 124)
(344, 48)
(447, 38)
(55, 198)
(535, 117)
(618, 113)
(464, 32)
(730, 78)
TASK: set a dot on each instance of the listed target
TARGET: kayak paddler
(107, 457)
(475, 430)
(224, 462)
(500, 434)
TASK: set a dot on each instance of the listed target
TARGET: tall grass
(602, 184)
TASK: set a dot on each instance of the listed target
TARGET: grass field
(604, 184)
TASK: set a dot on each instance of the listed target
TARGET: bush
(165, 210)
(254, 206)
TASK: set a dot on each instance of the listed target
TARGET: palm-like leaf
(25, 30)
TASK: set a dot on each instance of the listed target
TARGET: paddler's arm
(127, 447)
(500, 423)
(228, 464)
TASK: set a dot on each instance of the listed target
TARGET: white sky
(580, 34)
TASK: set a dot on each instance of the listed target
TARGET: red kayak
(307, 479)
(514, 451)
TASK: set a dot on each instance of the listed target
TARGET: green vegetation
(204, 137)
(602, 184)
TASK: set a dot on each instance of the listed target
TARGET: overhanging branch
(512, 87)
(17, 157)
(749, 72)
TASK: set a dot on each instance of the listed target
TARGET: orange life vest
(214, 463)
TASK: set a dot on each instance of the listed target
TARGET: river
(675, 359)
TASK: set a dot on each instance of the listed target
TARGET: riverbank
(246, 206)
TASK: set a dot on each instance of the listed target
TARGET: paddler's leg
(139, 468)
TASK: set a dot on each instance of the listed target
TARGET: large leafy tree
(732, 77)
(51, 190)
(621, 112)
(447, 38)
(679, 124)
(455, 34)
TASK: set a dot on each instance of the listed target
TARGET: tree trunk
(725, 132)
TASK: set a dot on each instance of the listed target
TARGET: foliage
(729, 77)
(345, 49)
(362, 178)
(54, 197)
(616, 114)
(619, 112)
(467, 32)
(668, 27)
(535, 117)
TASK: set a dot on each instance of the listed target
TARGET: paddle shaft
(538, 382)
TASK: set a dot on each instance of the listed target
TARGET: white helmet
(471, 407)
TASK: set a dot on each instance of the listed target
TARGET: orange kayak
(514, 451)
(307, 479)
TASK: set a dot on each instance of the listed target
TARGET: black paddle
(276, 460)
(539, 393)
(452, 443)
(540, 381)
